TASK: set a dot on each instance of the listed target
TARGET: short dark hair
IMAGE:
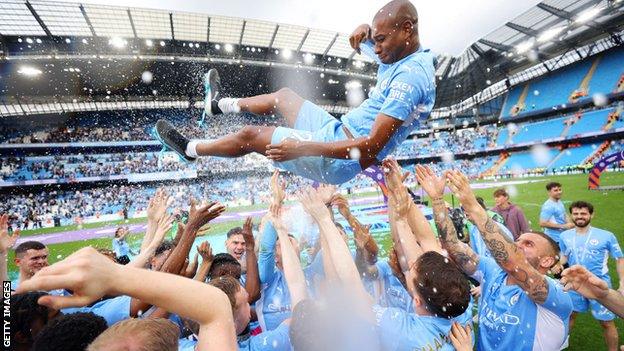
(500, 192)
(553, 185)
(234, 231)
(25, 310)
(71, 332)
(582, 204)
(442, 286)
(229, 286)
(221, 260)
(21, 249)
(164, 246)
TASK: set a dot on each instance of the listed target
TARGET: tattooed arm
(461, 253)
(504, 251)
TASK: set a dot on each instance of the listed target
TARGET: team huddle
(261, 295)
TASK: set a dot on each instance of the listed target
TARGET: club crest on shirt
(514, 299)
(594, 242)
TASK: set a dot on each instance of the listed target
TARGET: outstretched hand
(247, 233)
(313, 203)
(460, 186)
(431, 183)
(7, 241)
(398, 197)
(89, 274)
(157, 205)
(205, 251)
(579, 279)
(199, 216)
(278, 188)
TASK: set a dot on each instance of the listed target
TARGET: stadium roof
(47, 18)
(545, 32)
(550, 35)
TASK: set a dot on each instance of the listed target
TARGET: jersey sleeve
(403, 93)
(266, 255)
(546, 212)
(368, 49)
(486, 270)
(614, 247)
(557, 301)
(112, 310)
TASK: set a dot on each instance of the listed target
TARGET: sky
(446, 26)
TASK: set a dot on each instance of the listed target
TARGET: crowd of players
(261, 296)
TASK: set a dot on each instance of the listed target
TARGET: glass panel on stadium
(289, 37)
(317, 41)
(16, 19)
(151, 24)
(225, 29)
(258, 33)
(341, 47)
(62, 18)
(190, 26)
(109, 21)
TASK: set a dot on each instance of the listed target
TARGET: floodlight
(29, 71)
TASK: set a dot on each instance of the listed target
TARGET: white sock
(191, 148)
(229, 105)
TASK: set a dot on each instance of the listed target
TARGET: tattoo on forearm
(498, 250)
(463, 256)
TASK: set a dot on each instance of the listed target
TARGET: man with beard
(590, 247)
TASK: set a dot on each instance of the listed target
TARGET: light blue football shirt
(510, 320)
(554, 212)
(591, 250)
(405, 90)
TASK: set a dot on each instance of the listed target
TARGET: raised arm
(414, 216)
(91, 276)
(290, 261)
(6, 242)
(461, 253)
(503, 250)
(156, 209)
(268, 236)
(161, 228)
(579, 279)
(337, 248)
(362, 41)
(252, 283)
(205, 251)
(198, 216)
(366, 247)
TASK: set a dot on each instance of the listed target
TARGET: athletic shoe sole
(172, 139)
(212, 86)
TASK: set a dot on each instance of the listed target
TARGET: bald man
(316, 145)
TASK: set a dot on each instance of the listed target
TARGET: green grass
(587, 334)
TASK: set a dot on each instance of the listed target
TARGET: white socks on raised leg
(191, 148)
(229, 105)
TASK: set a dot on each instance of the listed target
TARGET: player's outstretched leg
(247, 140)
(284, 101)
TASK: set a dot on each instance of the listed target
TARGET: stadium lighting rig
(588, 15)
(29, 71)
(550, 34)
(117, 42)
